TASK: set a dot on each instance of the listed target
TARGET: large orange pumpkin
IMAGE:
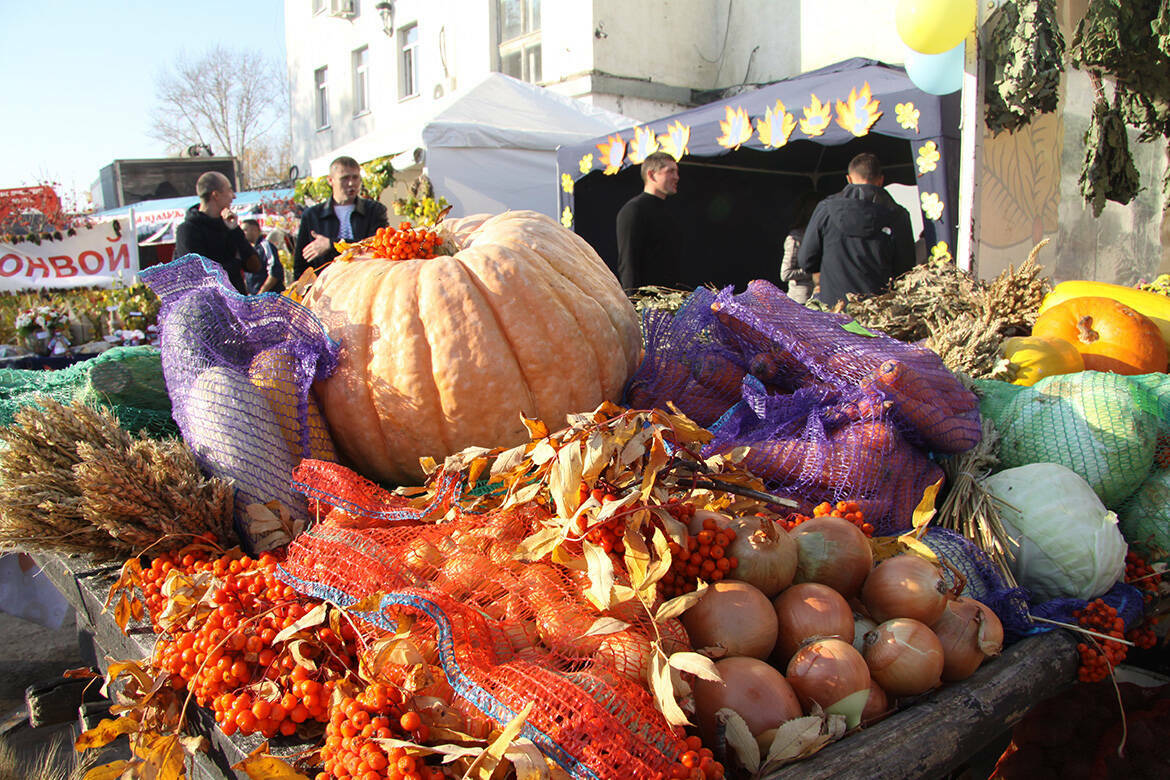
(441, 354)
(1109, 335)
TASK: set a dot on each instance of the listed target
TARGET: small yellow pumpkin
(1035, 357)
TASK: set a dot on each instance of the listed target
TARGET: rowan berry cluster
(356, 724)
(404, 242)
(705, 557)
(696, 762)
(1100, 656)
(846, 510)
(1142, 576)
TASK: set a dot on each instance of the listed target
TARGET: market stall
(732, 538)
(745, 159)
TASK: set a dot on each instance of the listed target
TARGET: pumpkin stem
(1085, 332)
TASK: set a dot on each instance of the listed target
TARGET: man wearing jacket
(860, 238)
(210, 229)
(344, 217)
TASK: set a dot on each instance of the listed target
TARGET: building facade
(377, 70)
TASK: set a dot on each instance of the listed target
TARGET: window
(408, 61)
(518, 32)
(361, 80)
(321, 82)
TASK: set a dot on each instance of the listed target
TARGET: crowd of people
(250, 259)
(854, 241)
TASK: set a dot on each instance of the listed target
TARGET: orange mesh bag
(508, 632)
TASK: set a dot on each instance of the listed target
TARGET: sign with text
(96, 256)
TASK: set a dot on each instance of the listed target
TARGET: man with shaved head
(211, 229)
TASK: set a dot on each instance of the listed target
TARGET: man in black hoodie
(860, 238)
(210, 229)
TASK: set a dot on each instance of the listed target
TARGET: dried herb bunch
(73, 481)
(961, 317)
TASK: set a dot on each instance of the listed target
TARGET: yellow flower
(928, 157)
(907, 116)
(776, 126)
(737, 128)
(932, 205)
(567, 218)
(941, 251)
(674, 141)
(816, 117)
(566, 182)
(585, 164)
(859, 112)
(642, 146)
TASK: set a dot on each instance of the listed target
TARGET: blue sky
(80, 76)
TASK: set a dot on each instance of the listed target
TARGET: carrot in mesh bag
(947, 422)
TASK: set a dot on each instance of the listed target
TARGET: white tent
(494, 147)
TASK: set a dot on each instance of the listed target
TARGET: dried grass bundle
(72, 480)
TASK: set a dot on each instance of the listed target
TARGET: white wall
(835, 30)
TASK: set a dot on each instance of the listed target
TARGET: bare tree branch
(231, 101)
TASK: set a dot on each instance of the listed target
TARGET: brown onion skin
(735, 616)
(721, 520)
(959, 630)
(809, 610)
(825, 671)
(751, 687)
(833, 552)
(876, 705)
(766, 554)
(905, 586)
(904, 657)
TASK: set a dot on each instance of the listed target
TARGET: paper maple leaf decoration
(860, 112)
(776, 126)
(643, 145)
(737, 128)
(613, 151)
(816, 117)
(674, 141)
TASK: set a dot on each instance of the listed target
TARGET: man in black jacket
(344, 217)
(210, 229)
(860, 238)
(647, 234)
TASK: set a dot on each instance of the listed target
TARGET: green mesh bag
(1145, 518)
(127, 380)
(1102, 426)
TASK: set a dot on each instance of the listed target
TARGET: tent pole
(971, 150)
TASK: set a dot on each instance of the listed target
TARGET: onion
(809, 611)
(862, 625)
(832, 674)
(905, 586)
(766, 554)
(735, 616)
(877, 704)
(696, 522)
(904, 657)
(833, 552)
(755, 690)
(969, 632)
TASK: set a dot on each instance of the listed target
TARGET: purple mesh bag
(239, 371)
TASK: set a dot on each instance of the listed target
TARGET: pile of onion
(752, 688)
(833, 552)
(969, 633)
(809, 610)
(832, 674)
(905, 586)
(735, 616)
(904, 657)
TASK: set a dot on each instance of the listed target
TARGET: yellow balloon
(934, 26)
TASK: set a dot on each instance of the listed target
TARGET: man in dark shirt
(344, 217)
(210, 229)
(647, 234)
(860, 238)
(271, 278)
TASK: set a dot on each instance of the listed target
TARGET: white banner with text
(96, 256)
